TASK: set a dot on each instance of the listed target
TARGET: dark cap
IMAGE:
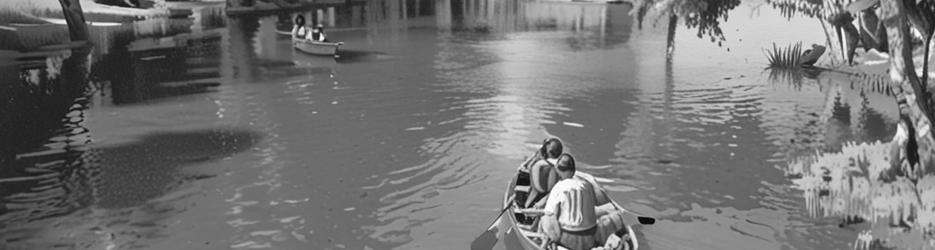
(565, 163)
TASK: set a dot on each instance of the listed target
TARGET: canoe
(529, 239)
(284, 32)
(316, 48)
(312, 61)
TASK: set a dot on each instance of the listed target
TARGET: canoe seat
(524, 189)
(525, 227)
(535, 235)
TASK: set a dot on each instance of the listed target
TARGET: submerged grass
(788, 57)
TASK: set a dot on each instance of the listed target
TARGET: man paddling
(318, 34)
(571, 216)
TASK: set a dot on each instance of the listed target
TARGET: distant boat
(316, 48)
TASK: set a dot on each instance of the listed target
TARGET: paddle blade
(646, 220)
(485, 241)
(488, 239)
(631, 218)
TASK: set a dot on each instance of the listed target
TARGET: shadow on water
(133, 173)
(39, 186)
(361, 56)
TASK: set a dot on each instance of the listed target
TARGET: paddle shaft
(487, 239)
(508, 206)
(630, 216)
(509, 202)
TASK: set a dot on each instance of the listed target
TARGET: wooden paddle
(629, 218)
(487, 239)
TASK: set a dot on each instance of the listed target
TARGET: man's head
(552, 148)
(565, 166)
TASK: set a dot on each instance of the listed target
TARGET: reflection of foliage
(794, 76)
(871, 124)
(791, 76)
(705, 15)
(861, 183)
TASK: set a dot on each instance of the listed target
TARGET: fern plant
(785, 57)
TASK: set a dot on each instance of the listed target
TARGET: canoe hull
(525, 237)
(284, 33)
(316, 48)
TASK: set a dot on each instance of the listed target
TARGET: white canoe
(316, 48)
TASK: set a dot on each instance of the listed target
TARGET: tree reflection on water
(862, 183)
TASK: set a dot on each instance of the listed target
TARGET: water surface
(212, 133)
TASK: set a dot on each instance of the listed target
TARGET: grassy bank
(29, 24)
(28, 11)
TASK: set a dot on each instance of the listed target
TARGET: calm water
(212, 133)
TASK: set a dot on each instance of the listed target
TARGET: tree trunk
(915, 111)
(670, 38)
(74, 16)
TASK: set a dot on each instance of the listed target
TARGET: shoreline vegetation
(30, 26)
(890, 184)
(39, 12)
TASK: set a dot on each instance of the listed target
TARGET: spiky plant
(788, 57)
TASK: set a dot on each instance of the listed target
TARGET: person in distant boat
(298, 28)
(542, 172)
(318, 34)
(571, 215)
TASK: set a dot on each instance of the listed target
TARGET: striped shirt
(572, 201)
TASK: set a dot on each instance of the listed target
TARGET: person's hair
(551, 148)
(300, 20)
(565, 163)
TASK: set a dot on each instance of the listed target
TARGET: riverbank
(29, 25)
(94, 12)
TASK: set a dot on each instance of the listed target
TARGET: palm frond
(785, 57)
